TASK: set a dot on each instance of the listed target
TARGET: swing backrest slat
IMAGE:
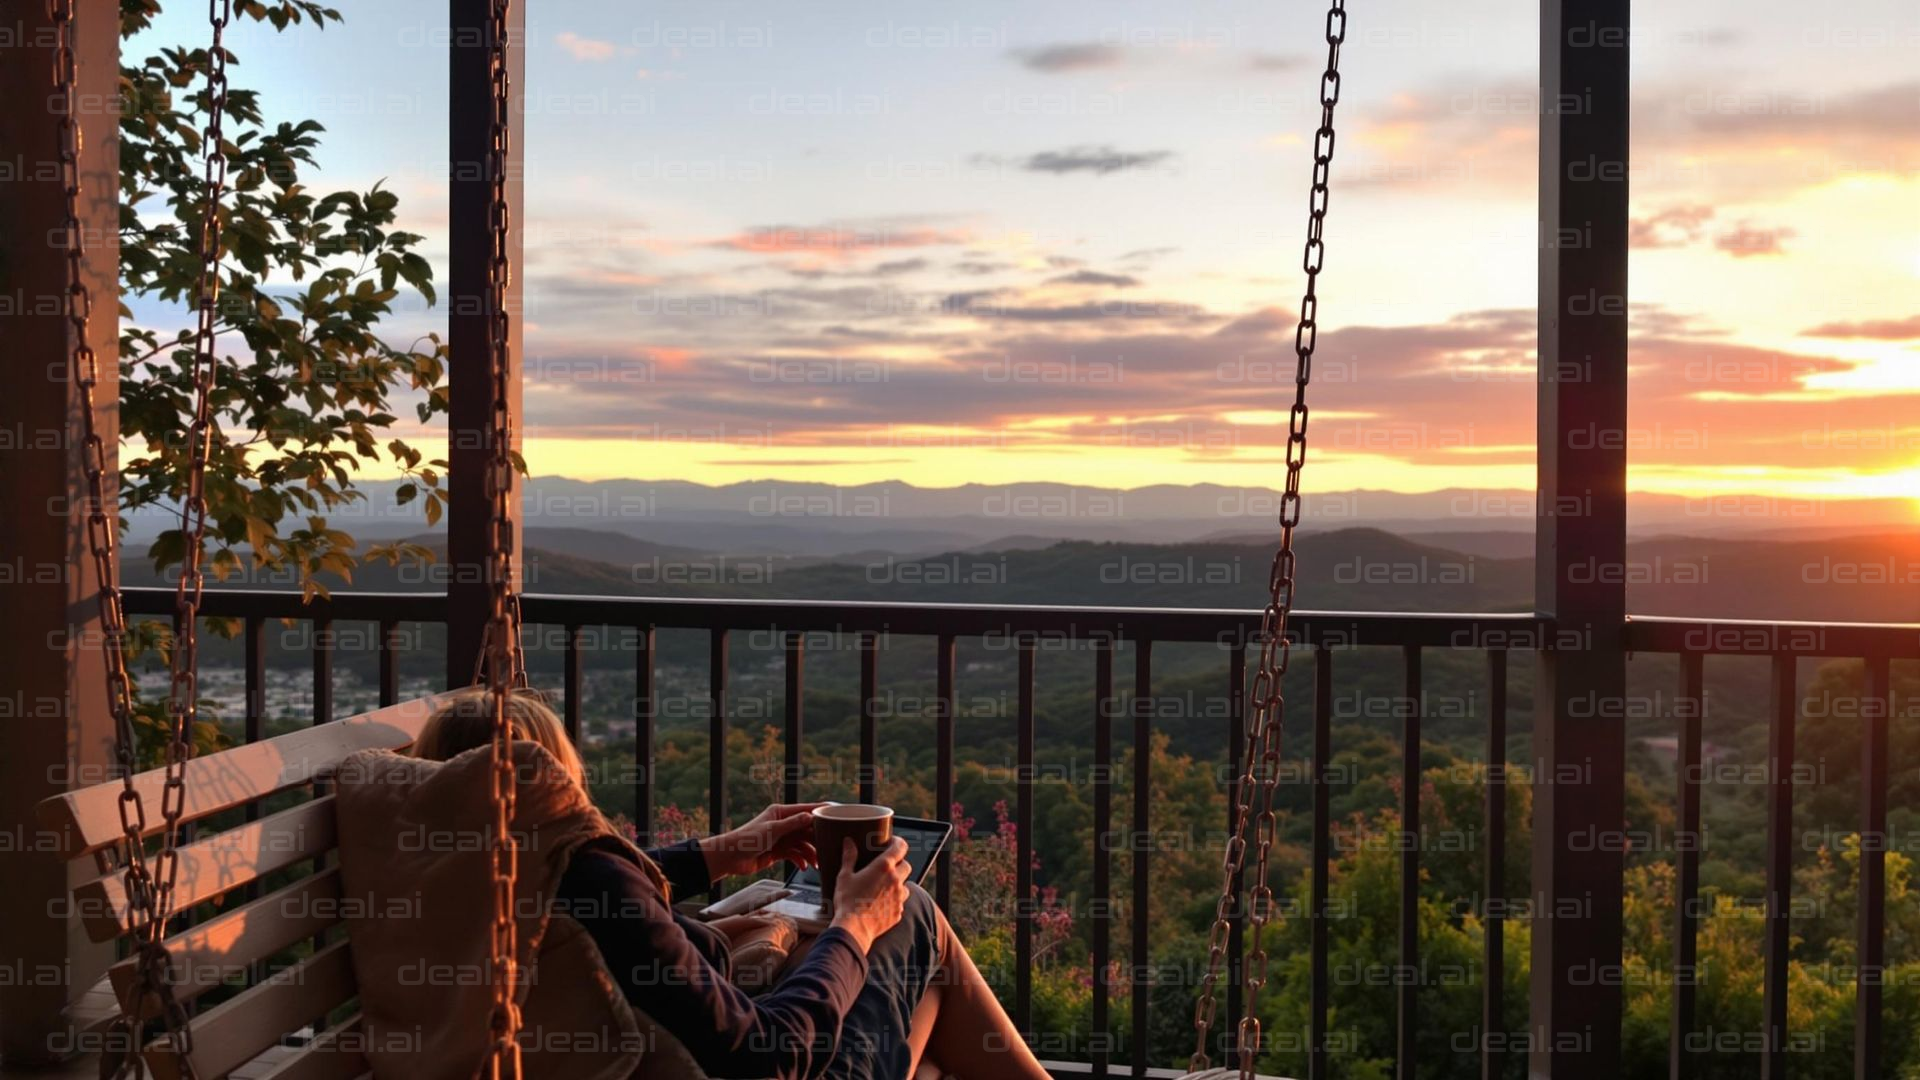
(219, 864)
(88, 819)
(335, 1054)
(228, 946)
(240, 1029)
(282, 850)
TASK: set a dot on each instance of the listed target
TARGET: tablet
(799, 896)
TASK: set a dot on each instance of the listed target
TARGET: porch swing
(139, 892)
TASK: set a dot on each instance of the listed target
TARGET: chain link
(1266, 700)
(501, 648)
(149, 883)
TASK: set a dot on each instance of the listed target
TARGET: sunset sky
(1061, 241)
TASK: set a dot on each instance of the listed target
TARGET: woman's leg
(879, 1039)
(927, 1012)
(960, 1027)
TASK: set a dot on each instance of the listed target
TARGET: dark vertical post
(869, 778)
(322, 630)
(1099, 1052)
(1236, 767)
(389, 662)
(1686, 886)
(646, 705)
(470, 244)
(717, 731)
(322, 670)
(573, 679)
(1779, 927)
(255, 633)
(1579, 739)
(943, 662)
(1023, 846)
(59, 733)
(1407, 984)
(796, 670)
(1320, 984)
(1141, 841)
(1871, 955)
(1493, 889)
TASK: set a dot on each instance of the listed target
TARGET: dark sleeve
(788, 1033)
(685, 866)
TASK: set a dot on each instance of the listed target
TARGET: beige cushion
(416, 870)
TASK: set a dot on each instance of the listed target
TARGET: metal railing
(1023, 629)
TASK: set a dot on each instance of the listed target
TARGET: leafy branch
(306, 392)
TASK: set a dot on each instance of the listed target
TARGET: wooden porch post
(53, 707)
(470, 91)
(1579, 745)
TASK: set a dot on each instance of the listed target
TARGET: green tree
(305, 387)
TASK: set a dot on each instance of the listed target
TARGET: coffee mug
(869, 827)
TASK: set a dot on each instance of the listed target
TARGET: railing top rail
(1220, 625)
(289, 604)
(1217, 625)
(1759, 637)
(1518, 631)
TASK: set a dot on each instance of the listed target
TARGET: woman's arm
(685, 866)
(780, 833)
(789, 1032)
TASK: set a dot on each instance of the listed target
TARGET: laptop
(798, 897)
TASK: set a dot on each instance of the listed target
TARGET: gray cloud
(1274, 62)
(891, 268)
(1095, 277)
(988, 304)
(1099, 160)
(1056, 59)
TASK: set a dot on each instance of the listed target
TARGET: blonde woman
(887, 992)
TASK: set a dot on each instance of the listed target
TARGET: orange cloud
(837, 241)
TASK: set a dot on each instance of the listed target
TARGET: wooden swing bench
(240, 1037)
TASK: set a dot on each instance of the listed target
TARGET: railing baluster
(1773, 1060)
(322, 670)
(1873, 871)
(646, 706)
(1406, 982)
(869, 734)
(1142, 844)
(1686, 916)
(322, 713)
(389, 662)
(1493, 890)
(254, 723)
(1236, 764)
(1319, 987)
(1023, 847)
(717, 731)
(573, 680)
(943, 759)
(256, 714)
(1102, 851)
(795, 713)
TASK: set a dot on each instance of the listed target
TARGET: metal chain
(149, 885)
(1267, 700)
(502, 645)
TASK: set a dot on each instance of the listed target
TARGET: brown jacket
(416, 870)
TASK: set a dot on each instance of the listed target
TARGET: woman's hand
(780, 833)
(868, 902)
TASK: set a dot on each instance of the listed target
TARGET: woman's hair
(465, 722)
